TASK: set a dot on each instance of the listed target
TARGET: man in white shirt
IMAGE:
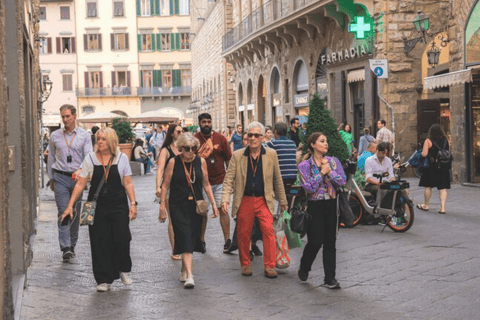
(379, 163)
(157, 140)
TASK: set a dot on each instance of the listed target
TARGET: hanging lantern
(421, 22)
(433, 55)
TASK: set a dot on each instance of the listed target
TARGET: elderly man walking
(68, 147)
(254, 176)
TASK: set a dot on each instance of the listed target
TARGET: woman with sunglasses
(168, 151)
(189, 172)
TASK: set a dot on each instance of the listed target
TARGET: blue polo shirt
(361, 160)
(237, 142)
(258, 179)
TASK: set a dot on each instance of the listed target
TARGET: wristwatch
(135, 203)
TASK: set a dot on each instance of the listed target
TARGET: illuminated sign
(346, 54)
(300, 100)
(361, 27)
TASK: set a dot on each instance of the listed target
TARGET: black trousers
(321, 230)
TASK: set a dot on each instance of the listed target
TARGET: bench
(137, 168)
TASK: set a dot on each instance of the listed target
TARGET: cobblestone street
(430, 272)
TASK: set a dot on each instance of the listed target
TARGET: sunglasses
(256, 135)
(187, 149)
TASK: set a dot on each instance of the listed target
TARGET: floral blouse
(318, 188)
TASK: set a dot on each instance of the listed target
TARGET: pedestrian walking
(189, 172)
(94, 131)
(385, 135)
(317, 172)
(110, 233)
(215, 150)
(286, 153)
(253, 176)
(236, 140)
(268, 135)
(293, 133)
(345, 131)
(68, 147)
(141, 156)
(169, 150)
(433, 177)
(157, 140)
(365, 139)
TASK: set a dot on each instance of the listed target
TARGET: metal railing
(164, 91)
(105, 92)
(261, 17)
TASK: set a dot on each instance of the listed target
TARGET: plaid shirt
(385, 135)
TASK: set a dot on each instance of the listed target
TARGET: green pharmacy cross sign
(362, 27)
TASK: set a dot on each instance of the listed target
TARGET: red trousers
(250, 208)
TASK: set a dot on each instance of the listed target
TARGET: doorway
(262, 89)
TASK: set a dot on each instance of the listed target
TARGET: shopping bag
(282, 251)
(293, 238)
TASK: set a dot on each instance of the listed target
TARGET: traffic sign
(379, 67)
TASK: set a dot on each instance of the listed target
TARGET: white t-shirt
(121, 160)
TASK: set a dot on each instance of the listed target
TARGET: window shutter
(139, 9)
(49, 44)
(112, 41)
(74, 47)
(152, 36)
(159, 78)
(59, 49)
(177, 36)
(101, 79)
(139, 42)
(172, 9)
(85, 42)
(100, 41)
(86, 80)
(176, 81)
(129, 83)
(172, 41)
(141, 78)
(157, 7)
(152, 8)
(159, 41)
(155, 84)
(114, 81)
(177, 7)
(127, 47)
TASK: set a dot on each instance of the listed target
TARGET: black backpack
(444, 157)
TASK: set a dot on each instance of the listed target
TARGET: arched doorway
(249, 102)
(262, 88)
(300, 89)
(241, 105)
(276, 96)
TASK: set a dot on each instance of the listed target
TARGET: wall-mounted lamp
(48, 85)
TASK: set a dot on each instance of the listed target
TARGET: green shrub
(123, 129)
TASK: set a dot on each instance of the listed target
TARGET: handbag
(293, 238)
(299, 220)
(143, 156)
(87, 215)
(343, 206)
(201, 206)
(417, 161)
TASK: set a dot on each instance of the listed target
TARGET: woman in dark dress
(186, 170)
(432, 176)
(169, 150)
(110, 234)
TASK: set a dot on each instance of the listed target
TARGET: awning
(448, 79)
(156, 116)
(356, 75)
(100, 117)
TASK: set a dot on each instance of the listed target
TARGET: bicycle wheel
(418, 173)
(403, 219)
(357, 210)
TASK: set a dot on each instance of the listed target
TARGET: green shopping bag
(294, 239)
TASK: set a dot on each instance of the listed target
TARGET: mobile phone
(66, 221)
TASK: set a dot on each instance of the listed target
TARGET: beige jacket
(237, 177)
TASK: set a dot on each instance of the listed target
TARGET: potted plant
(125, 134)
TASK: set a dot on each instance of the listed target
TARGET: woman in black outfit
(186, 170)
(168, 151)
(432, 176)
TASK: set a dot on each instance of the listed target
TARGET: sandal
(421, 207)
(442, 212)
(176, 257)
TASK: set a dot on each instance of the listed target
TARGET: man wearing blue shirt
(236, 142)
(371, 149)
(287, 153)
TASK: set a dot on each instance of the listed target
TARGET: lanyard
(188, 175)
(71, 141)
(254, 168)
(103, 167)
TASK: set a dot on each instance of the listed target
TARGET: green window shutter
(152, 8)
(177, 36)
(155, 78)
(157, 7)
(152, 35)
(139, 9)
(172, 41)
(139, 42)
(141, 78)
(176, 81)
(159, 42)
(172, 8)
(177, 7)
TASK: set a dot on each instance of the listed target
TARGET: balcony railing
(164, 91)
(106, 92)
(263, 16)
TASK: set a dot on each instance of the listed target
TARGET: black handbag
(343, 206)
(299, 220)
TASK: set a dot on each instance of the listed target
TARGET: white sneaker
(103, 287)
(183, 276)
(125, 278)
(189, 284)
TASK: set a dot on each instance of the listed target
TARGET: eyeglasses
(187, 149)
(256, 135)
(179, 131)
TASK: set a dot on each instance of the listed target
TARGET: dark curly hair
(435, 133)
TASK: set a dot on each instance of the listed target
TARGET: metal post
(391, 109)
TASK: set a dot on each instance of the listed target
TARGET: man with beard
(215, 150)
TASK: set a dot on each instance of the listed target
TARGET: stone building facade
(19, 125)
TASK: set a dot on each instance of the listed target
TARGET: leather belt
(69, 174)
(254, 195)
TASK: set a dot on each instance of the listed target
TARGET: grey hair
(256, 124)
(187, 140)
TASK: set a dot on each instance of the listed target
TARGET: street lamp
(433, 54)
(421, 22)
(47, 86)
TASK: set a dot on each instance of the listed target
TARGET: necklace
(103, 166)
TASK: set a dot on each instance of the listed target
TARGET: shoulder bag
(87, 216)
(343, 206)
(200, 205)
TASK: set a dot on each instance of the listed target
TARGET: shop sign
(251, 106)
(241, 108)
(346, 54)
(300, 100)
(279, 111)
(277, 99)
(379, 67)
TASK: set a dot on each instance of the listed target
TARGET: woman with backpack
(436, 149)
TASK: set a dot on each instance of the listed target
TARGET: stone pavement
(430, 272)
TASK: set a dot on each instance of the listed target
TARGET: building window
(91, 9)
(44, 45)
(167, 78)
(119, 41)
(67, 82)
(65, 13)
(118, 8)
(184, 7)
(42, 15)
(66, 45)
(165, 7)
(186, 77)
(185, 39)
(166, 41)
(146, 42)
(147, 78)
(145, 8)
(95, 79)
(87, 110)
(92, 42)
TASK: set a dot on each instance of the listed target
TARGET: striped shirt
(287, 156)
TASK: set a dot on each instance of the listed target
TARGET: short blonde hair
(187, 140)
(111, 138)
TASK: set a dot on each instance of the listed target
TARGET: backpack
(444, 157)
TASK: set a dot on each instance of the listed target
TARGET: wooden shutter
(157, 7)
(152, 8)
(101, 79)
(129, 83)
(100, 41)
(176, 81)
(59, 49)
(114, 80)
(112, 41)
(49, 44)
(177, 7)
(159, 76)
(127, 47)
(139, 42)
(86, 80)
(141, 78)
(159, 41)
(172, 41)
(74, 47)
(177, 36)
(85, 42)
(139, 8)
(152, 36)
(172, 7)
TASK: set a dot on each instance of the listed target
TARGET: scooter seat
(366, 194)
